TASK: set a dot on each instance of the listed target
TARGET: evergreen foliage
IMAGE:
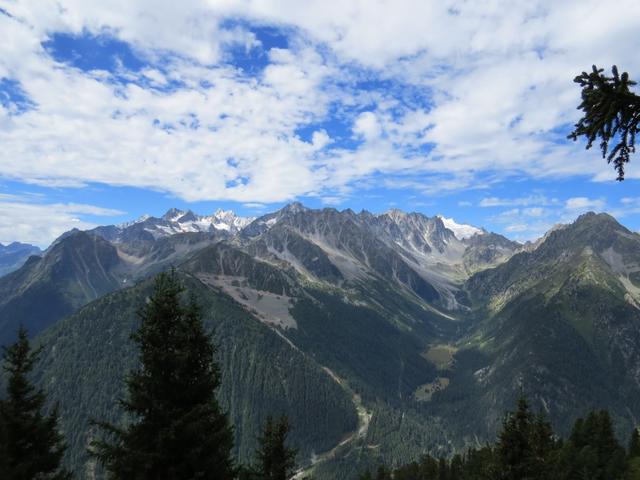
(592, 450)
(527, 449)
(274, 459)
(260, 374)
(31, 447)
(561, 333)
(634, 444)
(178, 429)
(611, 112)
(4, 460)
(633, 459)
(524, 444)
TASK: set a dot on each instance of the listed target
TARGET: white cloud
(518, 228)
(628, 206)
(531, 216)
(584, 203)
(320, 139)
(534, 211)
(535, 199)
(39, 224)
(255, 206)
(367, 125)
(332, 200)
(498, 75)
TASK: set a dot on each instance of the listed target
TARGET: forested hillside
(381, 337)
(86, 354)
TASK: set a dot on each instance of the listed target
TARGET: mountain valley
(381, 336)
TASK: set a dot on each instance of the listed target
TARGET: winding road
(364, 418)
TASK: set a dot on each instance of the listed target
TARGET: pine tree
(525, 445)
(4, 454)
(274, 460)
(634, 444)
(633, 458)
(366, 475)
(592, 450)
(32, 447)
(544, 447)
(177, 428)
(383, 473)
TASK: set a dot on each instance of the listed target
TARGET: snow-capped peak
(173, 215)
(230, 219)
(140, 219)
(460, 230)
(183, 221)
(222, 220)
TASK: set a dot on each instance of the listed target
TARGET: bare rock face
(427, 328)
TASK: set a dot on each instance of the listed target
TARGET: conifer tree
(527, 449)
(4, 467)
(592, 450)
(177, 429)
(634, 444)
(32, 447)
(274, 460)
(525, 445)
(611, 113)
(633, 457)
(383, 473)
(366, 475)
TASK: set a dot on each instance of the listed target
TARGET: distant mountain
(171, 223)
(488, 250)
(418, 331)
(417, 252)
(460, 230)
(74, 271)
(80, 267)
(86, 354)
(562, 321)
(14, 255)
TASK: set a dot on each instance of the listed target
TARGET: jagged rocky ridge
(428, 335)
(415, 254)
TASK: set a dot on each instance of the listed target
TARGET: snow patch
(460, 230)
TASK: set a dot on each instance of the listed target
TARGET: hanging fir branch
(611, 114)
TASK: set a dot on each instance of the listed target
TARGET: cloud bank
(266, 101)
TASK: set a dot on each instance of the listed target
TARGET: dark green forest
(173, 426)
(528, 449)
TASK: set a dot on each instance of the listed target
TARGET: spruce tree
(274, 459)
(32, 446)
(633, 457)
(4, 458)
(366, 475)
(634, 444)
(592, 450)
(525, 445)
(611, 114)
(383, 473)
(177, 428)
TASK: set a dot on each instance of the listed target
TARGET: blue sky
(109, 111)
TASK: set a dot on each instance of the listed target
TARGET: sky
(112, 109)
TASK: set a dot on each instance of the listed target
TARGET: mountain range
(13, 256)
(381, 336)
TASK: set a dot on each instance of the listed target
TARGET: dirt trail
(364, 418)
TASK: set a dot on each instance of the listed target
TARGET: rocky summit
(380, 335)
